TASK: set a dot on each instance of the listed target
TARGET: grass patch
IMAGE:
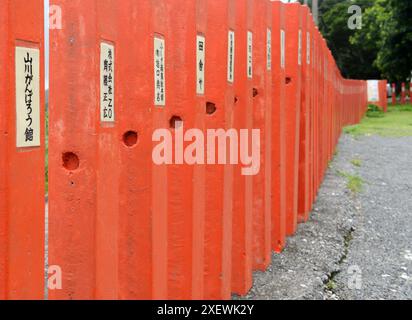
(331, 285)
(397, 122)
(356, 162)
(354, 182)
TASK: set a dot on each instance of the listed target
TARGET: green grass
(331, 285)
(356, 162)
(397, 122)
(354, 182)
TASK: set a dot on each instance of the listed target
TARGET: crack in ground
(329, 282)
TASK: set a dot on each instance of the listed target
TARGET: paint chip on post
(201, 63)
(159, 72)
(282, 49)
(231, 57)
(249, 54)
(107, 82)
(269, 49)
(27, 97)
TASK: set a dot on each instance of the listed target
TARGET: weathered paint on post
(22, 150)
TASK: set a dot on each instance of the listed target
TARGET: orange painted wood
(303, 185)
(278, 131)
(293, 80)
(73, 152)
(262, 120)
(135, 98)
(243, 185)
(219, 178)
(22, 176)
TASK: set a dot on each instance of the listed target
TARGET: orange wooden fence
(122, 226)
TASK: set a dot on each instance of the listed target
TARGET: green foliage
(374, 112)
(381, 49)
(395, 55)
(354, 182)
(356, 162)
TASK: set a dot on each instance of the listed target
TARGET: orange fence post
(293, 84)
(303, 184)
(278, 127)
(219, 177)
(242, 250)
(383, 95)
(262, 106)
(135, 129)
(73, 153)
(410, 92)
(22, 200)
(185, 84)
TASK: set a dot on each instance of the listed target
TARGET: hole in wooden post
(255, 92)
(210, 108)
(130, 138)
(71, 161)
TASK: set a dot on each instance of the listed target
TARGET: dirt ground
(357, 244)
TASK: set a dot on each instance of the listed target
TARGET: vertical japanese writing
(159, 72)
(249, 54)
(308, 48)
(231, 57)
(201, 64)
(300, 48)
(107, 83)
(269, 48)
(282, 49)
(27, 97)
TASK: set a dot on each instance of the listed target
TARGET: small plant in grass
(356, 162)
(354, 131)
(374, 112)
(331, 285)
(354, 182)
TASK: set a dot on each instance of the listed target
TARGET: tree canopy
(381, 48)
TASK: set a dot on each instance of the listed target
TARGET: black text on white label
(201, 63)
(107, 83)
(269, 48)
(300, 48)
(249, 54)
(27, 97)
(159, 72)
(231, 57)
(282, 49)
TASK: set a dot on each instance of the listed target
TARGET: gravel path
(355, 246)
